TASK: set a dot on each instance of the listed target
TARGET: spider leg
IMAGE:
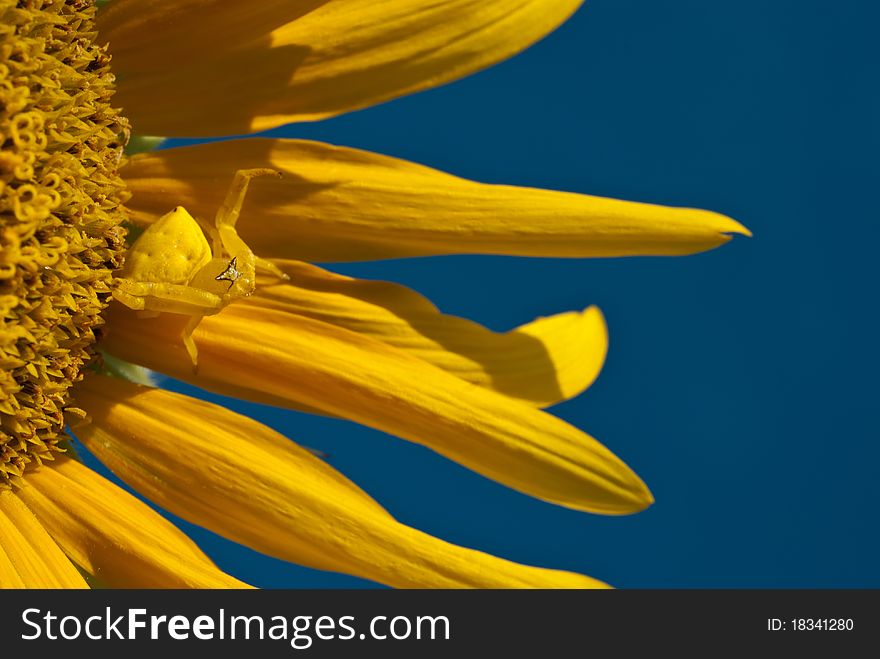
(168, 298)
(131, 301)
(214, 235)
(224, 231)
(188, 342)
(267, 266)
(231, 206)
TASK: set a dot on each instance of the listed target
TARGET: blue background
(741, 383)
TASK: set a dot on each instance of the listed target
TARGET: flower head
(61, 204)
(238, 298)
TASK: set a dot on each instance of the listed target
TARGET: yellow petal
(268, 356)
(338, 204)
(29, 557)
(215, 67)
(543, 362)
(112, 535)
(244, 481)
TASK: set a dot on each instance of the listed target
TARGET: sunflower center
(60, 213)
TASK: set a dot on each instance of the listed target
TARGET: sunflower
(72, 206)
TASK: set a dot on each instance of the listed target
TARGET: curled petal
(543, 362)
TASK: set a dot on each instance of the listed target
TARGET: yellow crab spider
(171, 268)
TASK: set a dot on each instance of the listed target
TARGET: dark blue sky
(741, 383)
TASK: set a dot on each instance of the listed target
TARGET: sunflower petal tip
(745, 231)
(594, 315)
(729, 227)
(639, 498)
